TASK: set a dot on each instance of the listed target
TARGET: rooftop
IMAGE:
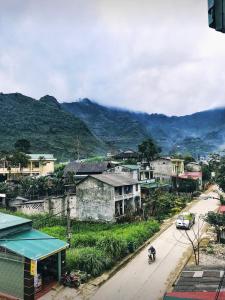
(87, 167)
(115, 179)
(41, 156)
(131, 167)
(7, 221)
(33, 244)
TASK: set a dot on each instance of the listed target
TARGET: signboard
(33, 267)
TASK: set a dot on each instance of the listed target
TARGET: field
(97, 247)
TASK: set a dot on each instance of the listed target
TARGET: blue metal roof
(7, 221)
(33, 244)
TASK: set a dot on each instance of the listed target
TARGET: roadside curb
(183, 262)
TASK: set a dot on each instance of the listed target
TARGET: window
(136, 187)
(128, 189)
(118, 190)
(36, 164)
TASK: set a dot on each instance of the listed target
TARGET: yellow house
(177, 166)
(38, 164)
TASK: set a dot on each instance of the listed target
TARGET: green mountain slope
(199, 133)
(116, 127)
(49, 128)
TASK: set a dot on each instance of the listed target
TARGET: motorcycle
(70, 280)
(151, 257)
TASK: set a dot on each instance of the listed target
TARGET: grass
(97, 247)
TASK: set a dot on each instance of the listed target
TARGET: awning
(33, 244)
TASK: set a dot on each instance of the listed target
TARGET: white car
(185, 220)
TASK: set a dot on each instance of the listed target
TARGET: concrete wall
(54, 205)
(162, 167)
(95, 200)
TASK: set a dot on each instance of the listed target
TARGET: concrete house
(38, 164)
(32, 261)
(107, 197)
(165, 167)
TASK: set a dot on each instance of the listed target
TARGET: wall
(53, 205)
(95, 200)
(161, 167)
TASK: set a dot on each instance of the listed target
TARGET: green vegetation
(48, 128)
(163, 205)
(97, 247)
(149, 150)
(217, 221)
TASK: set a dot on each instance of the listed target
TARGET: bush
(88, 239)
(58, 232)
(90, 260)
(113, 246)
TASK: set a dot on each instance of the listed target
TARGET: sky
(155, 56)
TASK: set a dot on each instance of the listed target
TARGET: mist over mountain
(54, 127)
(199, 133)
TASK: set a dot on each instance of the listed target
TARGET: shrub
(113, 246)
(58, 232)
(88, 239)
(91, 260)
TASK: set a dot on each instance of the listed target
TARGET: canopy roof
(7, 221)
(33, 244)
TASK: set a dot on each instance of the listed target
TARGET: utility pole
(77, 147)
(68, 217)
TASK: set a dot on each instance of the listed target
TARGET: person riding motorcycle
(151, 253)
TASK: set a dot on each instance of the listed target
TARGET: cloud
(154, 56)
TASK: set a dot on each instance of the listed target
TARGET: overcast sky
(147, 55)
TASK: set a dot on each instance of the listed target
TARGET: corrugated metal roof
(87, 167)
(44, 156)
(115, 179)
(33, 244)
(7, 221)
(132, 167)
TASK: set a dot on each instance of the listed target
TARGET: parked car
(185, 220)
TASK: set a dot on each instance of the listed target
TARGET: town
(92, 215)
(112, 153)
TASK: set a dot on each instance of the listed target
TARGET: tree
(19, 159)
(217, 221)
(220, 175)
(22, 145)
(149, 150)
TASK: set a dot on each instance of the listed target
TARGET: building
(38, 165)
(31, 260)
(165, 167)
(199, 282)
(193, 167)
(84, 169)
(107, 196)
(196, 176)
(132, 171)
(129, 154)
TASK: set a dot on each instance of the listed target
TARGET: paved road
(138, 279)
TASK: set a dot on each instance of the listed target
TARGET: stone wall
(54, 205)
(95, 200)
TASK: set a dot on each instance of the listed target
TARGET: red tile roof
(222, 209)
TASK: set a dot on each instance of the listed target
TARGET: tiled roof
(86, 167)
(114, 179)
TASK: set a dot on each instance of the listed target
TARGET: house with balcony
(38, 165)
(105, 197)
(164, 168)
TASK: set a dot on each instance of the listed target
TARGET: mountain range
(90, 128)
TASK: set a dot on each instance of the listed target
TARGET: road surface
(138, 279)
